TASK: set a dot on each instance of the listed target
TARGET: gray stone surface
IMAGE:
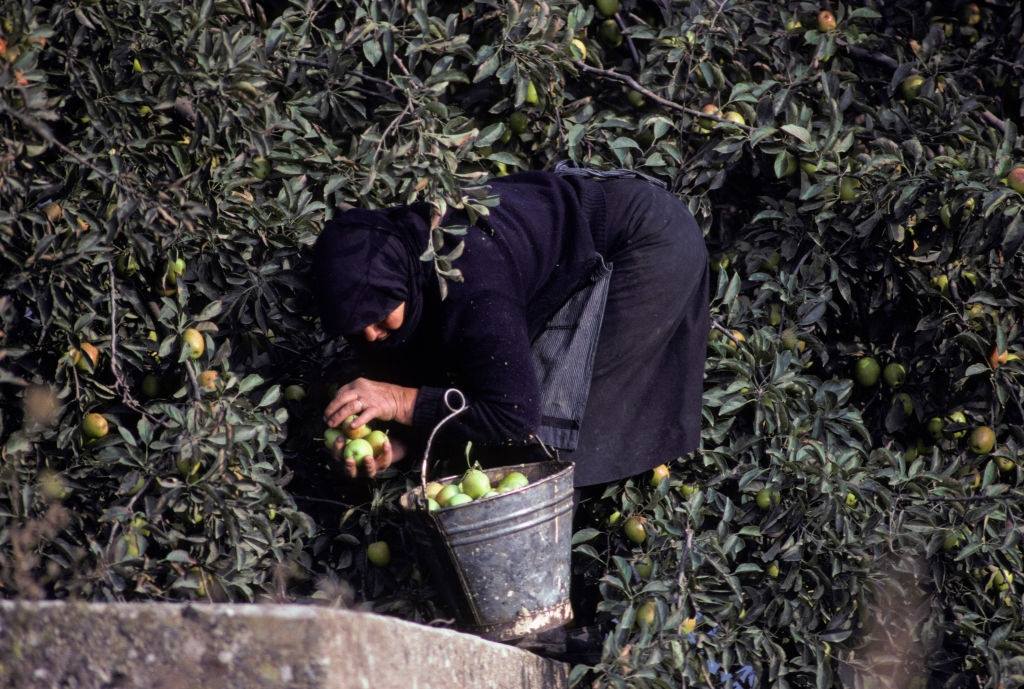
(171, 646)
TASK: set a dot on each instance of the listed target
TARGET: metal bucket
(501, 563)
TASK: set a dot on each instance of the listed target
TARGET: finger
(385, 458)
(366, 416)
(344, 394)
(339, 445)
(345, 411)
(342, 398)
(370, 464)
(350, 468)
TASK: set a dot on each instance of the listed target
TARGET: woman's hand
(390, 452)
(369, 400)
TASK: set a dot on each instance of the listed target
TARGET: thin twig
(119, 380)
(114, 368)
(376, 80)
(44, 131)
(629, 40)
(992, 120)
(78, 390)
(117, 180)
(635, 85)
(197, 393)
(882, 59)
(394, 123)
(872, 55)
(176, 184)
(362, 75)
(1016, 66)
(131, 503)
(718, 13)
(323, 500)
(719, 327)
(401, 66)
(969, 498)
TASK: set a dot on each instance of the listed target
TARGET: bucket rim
(408, 497)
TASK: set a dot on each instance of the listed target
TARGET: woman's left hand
(369, 400)
(392, 451)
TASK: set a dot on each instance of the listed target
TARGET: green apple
(911, 86)
(331, 436)
(512, 481)
(377, 440)
(1016, 179)
(352, 431)
(458, 499)
(446, 493)
(475, 483)
(357, 449)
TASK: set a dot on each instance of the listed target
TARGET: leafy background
(224, 134)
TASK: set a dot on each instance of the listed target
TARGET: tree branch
(362, 75)
(44, 131)
(325, 501)
(131, 503)
(991, 119)
(635, 85)
(873, 56)
(119, 381)
(968, 498)
(881, 59)
(197, 392)
(719, 327)
(116, 179)
(629, 40)
(392, 125)
(1013, 65)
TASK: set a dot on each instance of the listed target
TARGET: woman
(582, 321)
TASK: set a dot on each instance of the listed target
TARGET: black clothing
(644, 406)
(365, 263)
(539, 248)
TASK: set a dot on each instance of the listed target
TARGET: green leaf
(864, 13)
(798, 132)
(489, 135)
(249, 383)
(272, 395)
(372, 51)
(761, 133)
(584, 535)
(624, 142)
(487, 68)
(211, 310)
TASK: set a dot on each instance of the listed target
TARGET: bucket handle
(551, 452)
(455, 408)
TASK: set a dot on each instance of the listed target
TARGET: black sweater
(520, 265)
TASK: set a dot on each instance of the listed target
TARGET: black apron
(563, 353)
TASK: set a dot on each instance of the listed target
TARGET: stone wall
(169, 646)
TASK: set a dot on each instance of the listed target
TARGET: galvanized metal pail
(501, 563)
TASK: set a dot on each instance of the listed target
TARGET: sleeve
(487, 343)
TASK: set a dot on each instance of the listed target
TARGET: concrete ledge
(171, 646)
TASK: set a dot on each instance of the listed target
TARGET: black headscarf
(367, 262)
